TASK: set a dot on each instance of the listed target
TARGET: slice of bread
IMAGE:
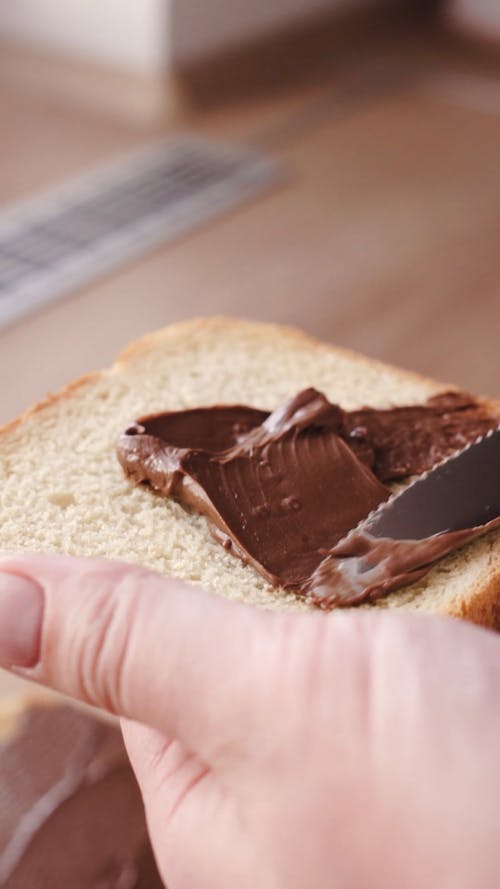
(63, 490)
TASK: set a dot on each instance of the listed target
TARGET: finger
(195, 826)
(125, 639)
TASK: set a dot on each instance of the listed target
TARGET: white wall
(146, 35)
(479, 16)
(123, 33)
(200, 27)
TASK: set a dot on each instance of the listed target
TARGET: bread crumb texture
(63, 490)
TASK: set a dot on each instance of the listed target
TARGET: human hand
(301, 751)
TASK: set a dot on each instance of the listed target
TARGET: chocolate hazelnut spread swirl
(281, 489)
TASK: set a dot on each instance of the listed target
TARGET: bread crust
(221, 325)
(50, 399)
(483, 606)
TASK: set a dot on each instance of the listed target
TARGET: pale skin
(277, 751)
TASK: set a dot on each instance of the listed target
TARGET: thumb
(136, 644)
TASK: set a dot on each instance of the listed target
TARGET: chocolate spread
(281, 489)
(71, 815)
(363, 568)
(404, 441)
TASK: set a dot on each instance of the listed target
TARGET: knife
(399, 542)
(462, 492)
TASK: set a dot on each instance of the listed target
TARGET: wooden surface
(384, 238)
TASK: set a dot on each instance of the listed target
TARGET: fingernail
(21, 613)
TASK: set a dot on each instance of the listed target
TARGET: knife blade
(397, 544)
(462, 492)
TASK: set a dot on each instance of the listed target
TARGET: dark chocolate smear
(364, 568)
(280, 494)
(404, 441)
(281, 489)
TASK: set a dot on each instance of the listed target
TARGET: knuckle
(98, 654)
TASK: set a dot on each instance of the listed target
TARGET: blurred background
(373, 220)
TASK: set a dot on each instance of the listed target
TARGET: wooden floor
(385, 236)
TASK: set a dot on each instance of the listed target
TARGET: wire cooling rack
(64, 238)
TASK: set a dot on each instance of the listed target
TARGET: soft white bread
(63, 490)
